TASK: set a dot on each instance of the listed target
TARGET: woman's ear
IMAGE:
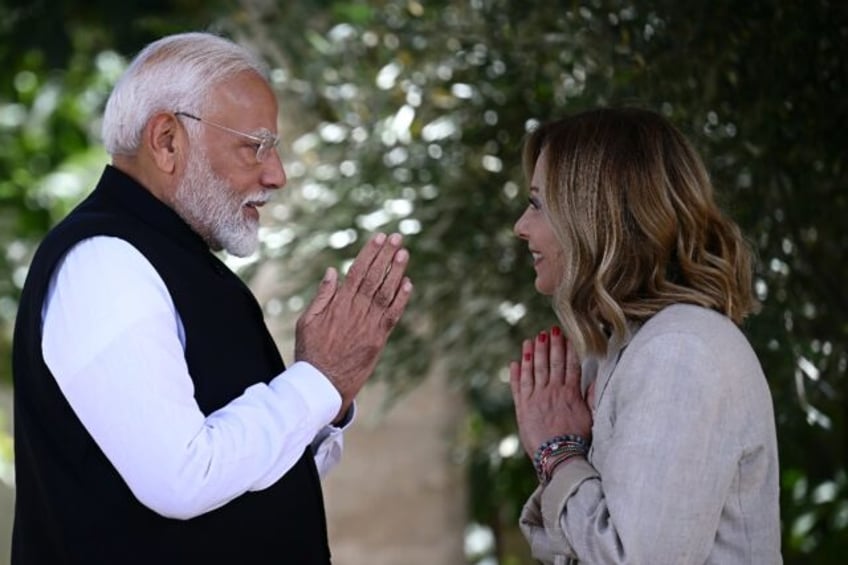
(164, 139)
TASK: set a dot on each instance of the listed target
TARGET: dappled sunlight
(409, 116)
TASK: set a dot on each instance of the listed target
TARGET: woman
(651, 425)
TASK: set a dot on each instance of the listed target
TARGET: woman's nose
(518, 229)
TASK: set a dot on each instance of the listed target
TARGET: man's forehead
(241, 93)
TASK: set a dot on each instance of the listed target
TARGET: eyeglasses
(266, 140)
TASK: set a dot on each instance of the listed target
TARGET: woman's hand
(546, 390)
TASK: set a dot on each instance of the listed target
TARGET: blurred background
(408, 116)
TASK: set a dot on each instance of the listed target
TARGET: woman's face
(534, 227)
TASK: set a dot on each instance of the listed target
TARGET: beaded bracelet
(555, 451)
(560, 441)
(548, 468)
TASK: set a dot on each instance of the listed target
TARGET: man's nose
(274, 174)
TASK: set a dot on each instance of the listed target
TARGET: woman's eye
(534, 203)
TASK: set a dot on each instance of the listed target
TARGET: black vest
(71, 504)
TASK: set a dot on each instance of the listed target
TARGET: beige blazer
(683, 465)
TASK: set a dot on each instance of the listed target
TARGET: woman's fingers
(548, 359)
(541, 360)
(515, 379)
(557, 356)
(572, 368)
(545, 385)
(526, 370)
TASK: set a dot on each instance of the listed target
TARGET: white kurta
(114, 342)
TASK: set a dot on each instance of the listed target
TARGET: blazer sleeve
(664, 459)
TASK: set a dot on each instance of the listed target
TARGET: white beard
(212, 208)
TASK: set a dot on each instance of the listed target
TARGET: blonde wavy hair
(632, 206)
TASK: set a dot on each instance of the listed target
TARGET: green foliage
(410, 117)
(58, 64)
(405, 115)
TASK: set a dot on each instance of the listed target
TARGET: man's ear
(165, 140)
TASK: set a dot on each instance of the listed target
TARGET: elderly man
(155, 421)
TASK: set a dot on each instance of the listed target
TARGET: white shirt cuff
(319, 395)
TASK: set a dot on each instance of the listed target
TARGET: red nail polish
(527, 356)
(556, 331)
(543, 337)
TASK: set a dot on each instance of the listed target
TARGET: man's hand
(344, 329)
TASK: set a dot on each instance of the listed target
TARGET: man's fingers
(326, 291)
(370, 267)
(394, 279)
(392, 314)
(380, 269)
(362, 263)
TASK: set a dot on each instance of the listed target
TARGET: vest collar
(119, 188)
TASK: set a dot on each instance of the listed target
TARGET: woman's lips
(537, 257)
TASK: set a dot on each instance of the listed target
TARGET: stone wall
(396, 498)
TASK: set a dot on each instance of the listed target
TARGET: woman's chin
(543, 287)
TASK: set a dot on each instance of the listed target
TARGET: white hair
(174, 73)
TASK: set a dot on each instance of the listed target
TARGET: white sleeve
(329, 443)
(113, 341)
